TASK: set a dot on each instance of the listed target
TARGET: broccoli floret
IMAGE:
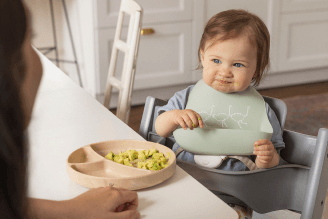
(127, 162)
(149, 164)
(163, 159)
(155, 167)
(141, 151)
(140, 159)
(123, 154)
(157, 156)
(151, 152)
(141, 165)
(147, 153)
(132, 154)
(110, 156)
(118, 159)
(163, 164)
(142, 156)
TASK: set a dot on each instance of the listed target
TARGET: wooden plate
(87, 166)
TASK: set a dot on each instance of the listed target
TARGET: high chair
(299, 184)
(130, 48)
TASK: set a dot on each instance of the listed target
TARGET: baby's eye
(217, 61)
(238, 65)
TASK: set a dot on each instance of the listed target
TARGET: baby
(234, 53)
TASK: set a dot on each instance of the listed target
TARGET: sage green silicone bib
(232, 122)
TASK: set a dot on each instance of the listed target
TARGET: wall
(82, 13)
(81, 21)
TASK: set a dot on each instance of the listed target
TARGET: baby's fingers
(199, 120)
(189, 119)
(195, 119)
(264, 159)
(186, 122)
(262, 142)
(262, 152)
(182, 123)
(191, 124)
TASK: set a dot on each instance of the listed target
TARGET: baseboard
(281, 214)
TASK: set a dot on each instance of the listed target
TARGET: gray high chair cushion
(298, 185)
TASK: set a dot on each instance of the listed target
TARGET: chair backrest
(279, 107)
(147, 125)
(310, 151)
(300, 185)
(130, 48)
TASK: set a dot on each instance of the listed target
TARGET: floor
(283, 92)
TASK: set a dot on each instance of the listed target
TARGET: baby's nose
(225, 72)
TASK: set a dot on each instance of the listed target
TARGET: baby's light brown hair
(230, 24)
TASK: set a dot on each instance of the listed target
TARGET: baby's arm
(168, 121)
(267, 155)
(269, 147)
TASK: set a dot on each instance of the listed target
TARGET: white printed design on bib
(222, 117)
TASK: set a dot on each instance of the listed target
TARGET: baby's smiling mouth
(222, 82)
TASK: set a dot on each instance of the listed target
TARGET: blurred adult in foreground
(20, 76)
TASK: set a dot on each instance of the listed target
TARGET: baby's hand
(265, 152)
(187, 118)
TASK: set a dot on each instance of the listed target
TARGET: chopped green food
(110, 156)
(118, 159)
(151, 152)
(147, 153)
(127, 162)
(142, 156)
(141, 165)
(142, 159)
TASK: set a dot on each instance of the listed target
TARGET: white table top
(65, 118)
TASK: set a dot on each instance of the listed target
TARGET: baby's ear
(254, 75)
(202, 56)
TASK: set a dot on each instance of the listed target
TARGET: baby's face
(229, 65)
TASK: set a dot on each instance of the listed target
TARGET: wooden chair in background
(130, 48)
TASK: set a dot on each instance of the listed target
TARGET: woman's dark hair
(13, 29)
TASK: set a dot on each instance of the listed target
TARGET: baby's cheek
(208, 78)
(241, 86)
